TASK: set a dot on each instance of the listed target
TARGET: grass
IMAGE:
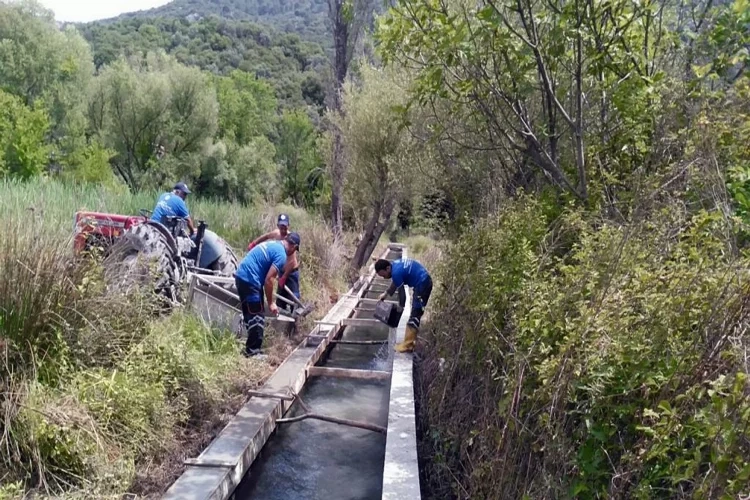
(100, 396)
(54, 204)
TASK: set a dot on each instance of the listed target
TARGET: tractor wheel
(142, 257)
(226, 265)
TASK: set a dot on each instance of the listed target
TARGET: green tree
(247, 107)
(549, 87)
(91, 164)
(297, 154)
(41, 64)
(242, 173)
(155, 113)
(23, 130)
(384, 159)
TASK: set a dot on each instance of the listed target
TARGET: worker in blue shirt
(254, 279)
(173, 205)
(290, 277)
(407, 272)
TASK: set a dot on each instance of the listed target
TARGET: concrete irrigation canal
(360, 442)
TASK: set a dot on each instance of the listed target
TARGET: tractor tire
(226, 265)
(141, 257)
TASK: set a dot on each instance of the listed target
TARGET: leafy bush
(589, 359)
(23, 152)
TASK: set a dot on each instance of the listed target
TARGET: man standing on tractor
(407, 272)
(254, 279)
(173, 205)
(290, 277)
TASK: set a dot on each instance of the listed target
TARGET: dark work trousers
(251, 298)
(420, 297)
(292, 282)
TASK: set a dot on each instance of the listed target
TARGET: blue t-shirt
(408, 272)
(169, 205)
(258, 261)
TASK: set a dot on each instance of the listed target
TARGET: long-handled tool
(299, 310)
(303, 309)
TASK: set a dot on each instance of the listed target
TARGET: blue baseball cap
(181, 186)
(294, 239)
(283, 220)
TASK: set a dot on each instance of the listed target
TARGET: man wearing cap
(173, 205)
(254, 279)
(290, 276)
(407, 272)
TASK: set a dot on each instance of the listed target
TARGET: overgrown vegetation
(101, 395)
(588, 338)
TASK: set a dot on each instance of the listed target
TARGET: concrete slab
(401, 468)
(202, 483)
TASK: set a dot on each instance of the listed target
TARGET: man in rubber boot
(254, 279)
(290, 276)
(407, 272)
(173, 205)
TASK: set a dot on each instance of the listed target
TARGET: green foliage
(297, 154)
(512, 80)
(23, 130)
(45, 66)
(243, 173)
(308, 17)
(384, 160)
(247, 106)
(616, 347)
(293, 67)
(138, 106)
(91, 165)
(146, 119)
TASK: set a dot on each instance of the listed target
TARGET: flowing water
(313, 459)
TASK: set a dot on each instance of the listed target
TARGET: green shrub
(589, 360)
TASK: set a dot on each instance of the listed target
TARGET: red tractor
(135, 246)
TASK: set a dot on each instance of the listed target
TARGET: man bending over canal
(411, 273)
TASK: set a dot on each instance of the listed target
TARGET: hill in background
(307, 18)
(296, 68)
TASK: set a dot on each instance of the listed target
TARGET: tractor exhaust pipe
(199, 240)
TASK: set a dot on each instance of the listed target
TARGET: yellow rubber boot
(410, 338)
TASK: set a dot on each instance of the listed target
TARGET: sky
(91, 10)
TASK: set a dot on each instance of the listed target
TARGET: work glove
(282, 283)
(250, 246)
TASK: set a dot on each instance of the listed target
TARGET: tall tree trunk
(337, 183)
(359, 254)
(341, 57)
(347, 22)
(381, 217)
(379, 229)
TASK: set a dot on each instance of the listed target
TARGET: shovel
(303, 309)
(300, 310)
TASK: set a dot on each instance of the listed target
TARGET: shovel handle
(294, 297)
(284, 299)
